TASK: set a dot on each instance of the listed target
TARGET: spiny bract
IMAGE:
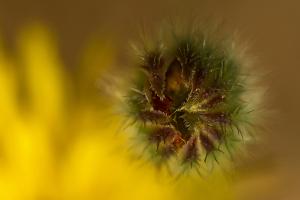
(187, 99)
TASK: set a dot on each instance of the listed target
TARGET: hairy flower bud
(189, 97)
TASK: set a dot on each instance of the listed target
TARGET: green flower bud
(190, 99)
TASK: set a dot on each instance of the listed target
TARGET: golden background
(272, 28)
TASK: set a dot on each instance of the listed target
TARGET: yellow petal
(43, 73)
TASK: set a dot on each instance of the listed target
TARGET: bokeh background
(52, 114)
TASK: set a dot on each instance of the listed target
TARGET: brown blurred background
(272, 27)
